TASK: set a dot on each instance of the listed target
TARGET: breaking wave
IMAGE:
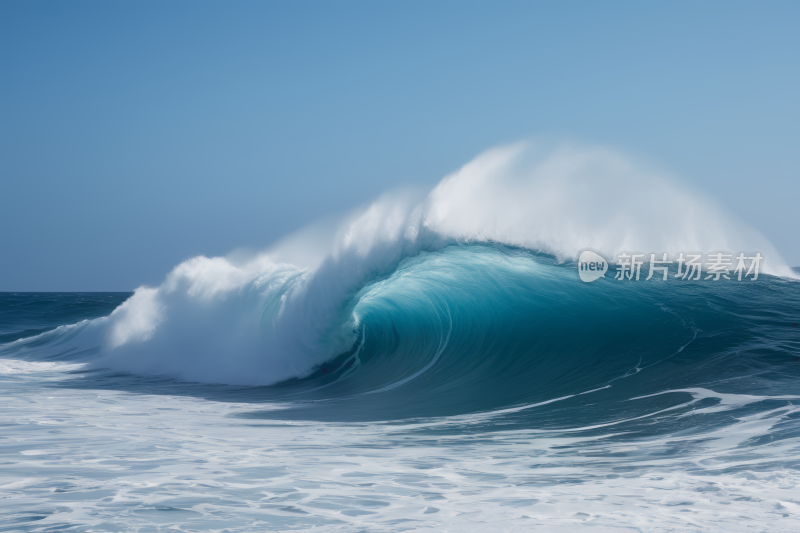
(461, 300)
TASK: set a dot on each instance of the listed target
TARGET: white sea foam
(15, 366)
(105, 461)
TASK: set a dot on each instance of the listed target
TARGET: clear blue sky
(136, 134)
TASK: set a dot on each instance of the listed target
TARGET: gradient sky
(134, 135)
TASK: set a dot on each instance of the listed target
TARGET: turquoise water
(467, 388)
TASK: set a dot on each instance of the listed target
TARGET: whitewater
(431, 361)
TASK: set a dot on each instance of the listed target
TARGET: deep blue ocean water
(467, 388)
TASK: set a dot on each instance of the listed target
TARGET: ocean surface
(428, 369)
(488, 389)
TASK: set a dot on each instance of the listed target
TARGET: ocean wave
(469, 294)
